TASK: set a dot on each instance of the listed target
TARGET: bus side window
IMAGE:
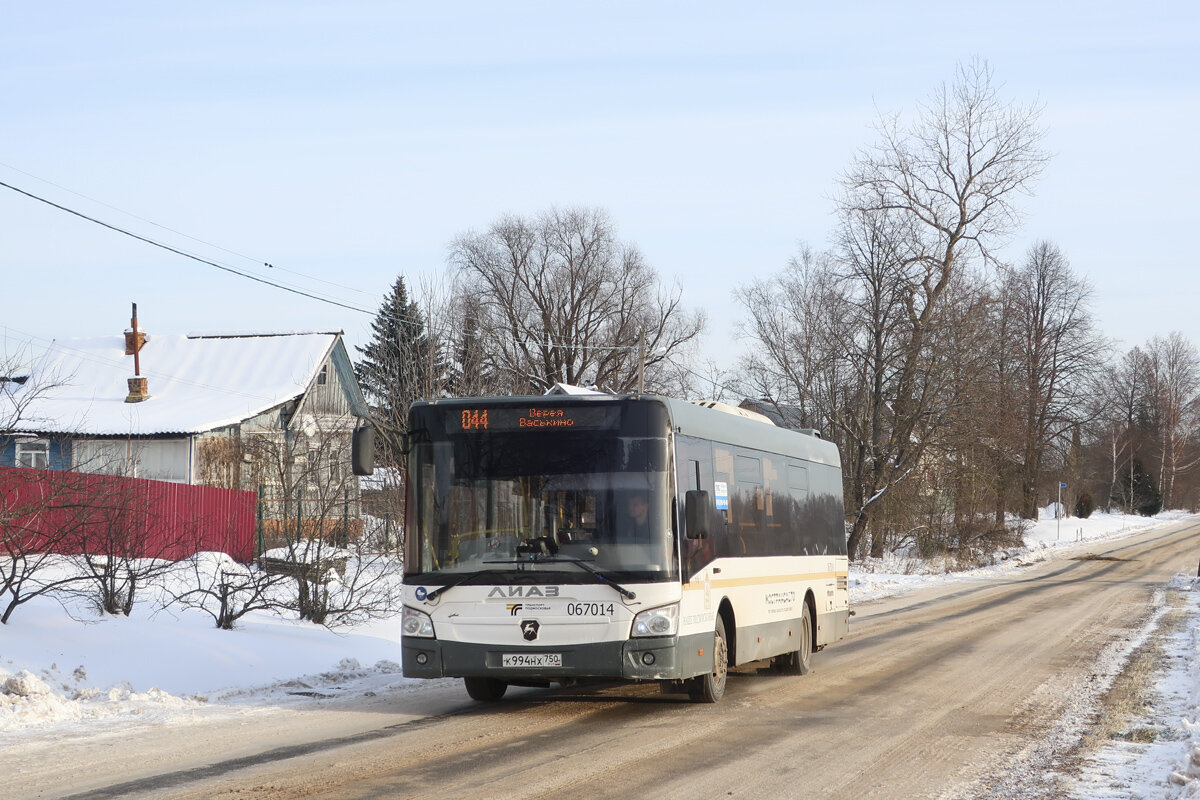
(804, 525)
(748, 505)
(798, 479)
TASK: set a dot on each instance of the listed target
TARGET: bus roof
(688, 419)
(691, 419)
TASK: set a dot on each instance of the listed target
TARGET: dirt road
(971, 690)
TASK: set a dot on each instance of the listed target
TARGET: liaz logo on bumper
(524, 591)
(529, 629)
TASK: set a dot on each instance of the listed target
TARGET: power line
(285, 287)
(184, 253)
(209, 262)
(184, 235)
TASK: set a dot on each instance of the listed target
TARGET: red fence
(72, 512)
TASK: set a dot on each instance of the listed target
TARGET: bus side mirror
(695, 514)
(362, 449)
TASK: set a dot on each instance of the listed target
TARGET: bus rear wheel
(710, 687)
(486, 690)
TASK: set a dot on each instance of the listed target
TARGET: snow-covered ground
(1157, 754)
(72, 674)
(897, 574)
(1165, 763)
(63, 678)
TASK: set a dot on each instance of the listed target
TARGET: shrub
(1084, 505)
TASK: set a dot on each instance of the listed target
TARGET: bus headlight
(416, 623)
(661, 621)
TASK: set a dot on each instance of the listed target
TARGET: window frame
(32, 447)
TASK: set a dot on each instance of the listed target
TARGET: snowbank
(64, 670)
(871, 579)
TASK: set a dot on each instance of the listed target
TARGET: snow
(381, 479)
(63, 672)
(69, 675)
(896, 573)
(195, 383)
(1164, 760)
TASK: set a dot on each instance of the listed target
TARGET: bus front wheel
(710, 687)
(487, 690)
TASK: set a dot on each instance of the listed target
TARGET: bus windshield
(518, 501)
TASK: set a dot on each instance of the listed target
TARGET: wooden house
(272, 412)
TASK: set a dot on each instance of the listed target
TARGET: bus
(563, 538)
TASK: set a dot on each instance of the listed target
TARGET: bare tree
(994, 416)
(561, 299)
(35, 503)
(227, 590)
(938, 193)
(119, 525)
(952, 176)
(342, 586)
(829, 332)
(792, 321)
(1128, 422)
(1059, 353)
(711, 382)
(307, 491)
(879, 330)
(473, 369)
(1175, 366)
(317, 539)
(113, 558)
(37, 509)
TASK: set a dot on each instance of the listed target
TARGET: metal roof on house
(196, 383)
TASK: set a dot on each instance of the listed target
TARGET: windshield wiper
(556, 560)
(467, 577)
(588, 567)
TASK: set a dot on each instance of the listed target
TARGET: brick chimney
(134, 339)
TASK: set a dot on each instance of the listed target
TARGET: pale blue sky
(353, 141)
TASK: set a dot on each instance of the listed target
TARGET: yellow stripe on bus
(698, 583)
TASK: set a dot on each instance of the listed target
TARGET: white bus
(559, 538)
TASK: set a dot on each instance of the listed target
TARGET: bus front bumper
(641, 659)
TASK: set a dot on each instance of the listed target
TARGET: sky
(348, 143)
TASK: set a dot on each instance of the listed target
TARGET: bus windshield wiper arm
(469, 576)
(556, 560)
(585, 565)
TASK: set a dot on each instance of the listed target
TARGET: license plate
(531, 660)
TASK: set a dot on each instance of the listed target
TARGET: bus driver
(638, 528)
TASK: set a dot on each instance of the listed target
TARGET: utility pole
(642, 364)
(1058, 512)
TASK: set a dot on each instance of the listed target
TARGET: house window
(33, 453)
(323, 375)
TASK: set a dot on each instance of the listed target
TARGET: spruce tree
(1138, 492)
(399, 365)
